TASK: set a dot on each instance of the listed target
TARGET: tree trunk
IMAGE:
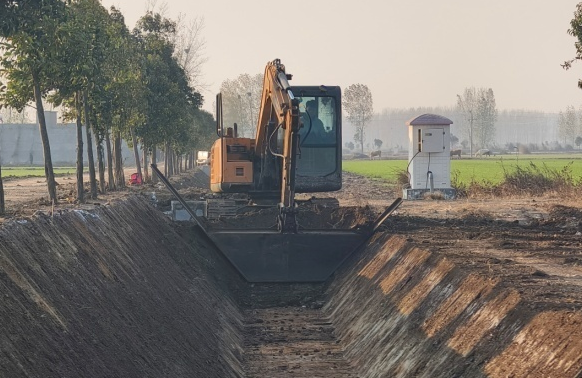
(2, 203)
(46, 148)
(154, 161)
(175, 163)
(80, 188)
(471, 137)
(169, 166)
(88, 133)
(101, 165)
(111, 182)
(119, 175)
(136, 153)
(167, 160)
(170, 161)
(146, 171)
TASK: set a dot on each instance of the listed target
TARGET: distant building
(20, 144)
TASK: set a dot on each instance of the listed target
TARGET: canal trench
(124, 292)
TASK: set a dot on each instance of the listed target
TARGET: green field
(33, 171)
(487, 169)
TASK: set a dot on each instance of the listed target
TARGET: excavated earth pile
(123, 292)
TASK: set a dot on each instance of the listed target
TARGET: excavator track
(292, 342)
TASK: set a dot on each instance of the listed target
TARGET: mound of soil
(308, 216)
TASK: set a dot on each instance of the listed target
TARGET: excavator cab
(319, 158)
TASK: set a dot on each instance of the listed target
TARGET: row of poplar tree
(119, 84)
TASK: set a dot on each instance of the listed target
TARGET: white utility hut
(429, 157)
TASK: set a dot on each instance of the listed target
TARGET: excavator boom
(279, 106)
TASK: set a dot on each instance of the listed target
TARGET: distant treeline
(527, 127)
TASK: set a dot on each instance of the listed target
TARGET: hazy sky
(409, 53)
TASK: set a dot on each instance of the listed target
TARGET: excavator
(287, 155)
(296, 149)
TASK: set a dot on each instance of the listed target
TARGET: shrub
(530, 179)
(402, 178)
(536, 180)
(457, 184)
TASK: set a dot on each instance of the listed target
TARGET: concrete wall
(20, 144)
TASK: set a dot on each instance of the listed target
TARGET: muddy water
(122, 292)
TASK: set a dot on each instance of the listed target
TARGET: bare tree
(189, 49)
(568, 125)
(188, 43)
(468, 106)
(152, 6)
(480, 114)
(241, 99)
(487, 116)
(358, 104)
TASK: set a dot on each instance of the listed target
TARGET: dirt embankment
(403, 310)
(112, 293)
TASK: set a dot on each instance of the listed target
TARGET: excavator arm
(280, 110)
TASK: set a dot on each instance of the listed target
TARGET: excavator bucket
(306, 256)
(272, 256)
